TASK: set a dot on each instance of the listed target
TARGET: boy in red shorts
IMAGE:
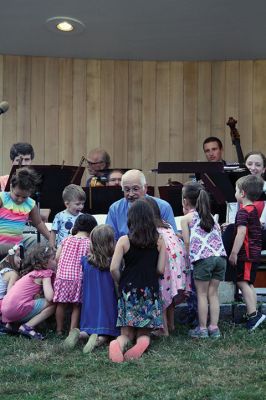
(246, 251)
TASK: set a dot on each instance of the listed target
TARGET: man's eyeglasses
(94, 163)
(133, 189)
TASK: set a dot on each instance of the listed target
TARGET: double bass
(235, 136)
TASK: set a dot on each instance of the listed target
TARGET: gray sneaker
(198, 333)
(214, 333)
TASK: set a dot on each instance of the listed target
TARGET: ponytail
(204, 210)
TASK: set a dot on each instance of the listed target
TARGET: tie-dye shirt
(13, 218)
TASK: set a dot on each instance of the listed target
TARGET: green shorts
(210, 268)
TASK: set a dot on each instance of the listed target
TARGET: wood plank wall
(140, 112)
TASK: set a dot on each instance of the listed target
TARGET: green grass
(233, 367)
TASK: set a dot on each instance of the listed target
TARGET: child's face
(19, 195)
(239, 195)
(74, 207)
(17, 259)
(51, 263)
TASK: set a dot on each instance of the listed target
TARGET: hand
(233, 259)
(224, 226)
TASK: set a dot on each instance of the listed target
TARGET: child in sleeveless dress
(139, 302)
(99, 301)
(202, 237)
(175, 283)
(68, 282)
(21, 305)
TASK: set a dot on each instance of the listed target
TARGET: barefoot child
(139, 303)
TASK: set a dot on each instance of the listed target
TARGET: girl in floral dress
(139, 303)
(176, 282)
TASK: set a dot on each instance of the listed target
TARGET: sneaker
(214, 333)
(254, 322)
(198, 333)
(72, 339)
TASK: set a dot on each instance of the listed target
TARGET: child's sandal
(29, 332)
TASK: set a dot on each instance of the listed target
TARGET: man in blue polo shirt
(134, 187)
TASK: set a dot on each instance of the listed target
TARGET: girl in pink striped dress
(68, 282)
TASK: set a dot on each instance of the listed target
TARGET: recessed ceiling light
(65, 25)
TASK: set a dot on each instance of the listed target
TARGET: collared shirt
(117, 215)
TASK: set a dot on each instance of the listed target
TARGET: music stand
(54, 178)
(183, 167)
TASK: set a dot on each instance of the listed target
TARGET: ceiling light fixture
(65, 25)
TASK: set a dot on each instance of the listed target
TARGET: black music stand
(54, 178)
(100, 198)
(173, 195)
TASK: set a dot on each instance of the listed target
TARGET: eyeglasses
(94, 163)
(133, 189)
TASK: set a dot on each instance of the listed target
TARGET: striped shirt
(13, 218)
(251, 248)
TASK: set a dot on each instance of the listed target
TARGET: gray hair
(134, 173)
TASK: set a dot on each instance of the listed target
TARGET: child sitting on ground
(74, 198)
(21, 305)
(9, 274)
(246, 251)
(99, 302)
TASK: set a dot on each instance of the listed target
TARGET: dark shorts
(209, 268)
(246, 271)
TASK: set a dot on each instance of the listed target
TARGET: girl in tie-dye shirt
(16, 207)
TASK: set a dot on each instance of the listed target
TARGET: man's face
(133, 190)
(212, 151)
(24, 159)
(115, 179)
(96, 164)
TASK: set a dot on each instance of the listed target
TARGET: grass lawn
(233, 367)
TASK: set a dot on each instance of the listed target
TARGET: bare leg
(214, 303)
(165, 324)
(75, 316)
(43, 315)
(60, 316)
(142, 343)
(202, 288)
(248, 296)
(171, 317)
(117, 346)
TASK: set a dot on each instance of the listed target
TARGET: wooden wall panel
(148, 120)
(51, 120)
(134, 137)
(140, 112)
(65, 129)
(120, 145)
(2, 116)
(245, 105)
(10, 118)
(231, 105)
(259, 101)
(204, 106)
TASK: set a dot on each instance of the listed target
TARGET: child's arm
(185, 221)
(39, 224)
(12, 278)
(53, 238)
(238, 242)
(48, 289)
(162, 253)
(58, 252)
(120, 247)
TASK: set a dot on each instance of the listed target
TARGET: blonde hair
(102, 246)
